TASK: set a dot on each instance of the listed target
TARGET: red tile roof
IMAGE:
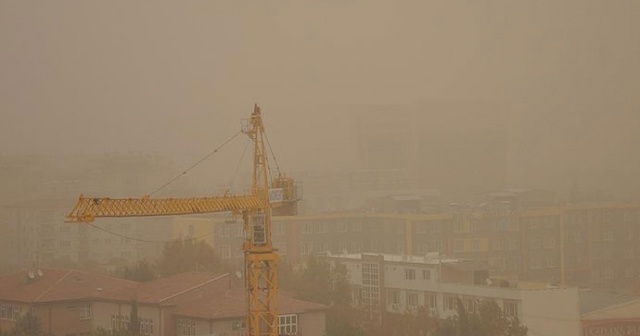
(164, 289)
(232, 304)
(70, 285)
(62, 285)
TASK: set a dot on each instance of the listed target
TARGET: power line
(195, 164)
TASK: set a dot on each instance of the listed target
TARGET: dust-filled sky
(176, 77)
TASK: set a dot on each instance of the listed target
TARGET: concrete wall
(102, 311)
(551, 311)
(309, 324)
(312, 323)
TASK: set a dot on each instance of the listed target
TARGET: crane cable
(235, 174)
(144, 240)
(195, 164)
(272, 155)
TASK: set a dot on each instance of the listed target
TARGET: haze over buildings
(175, 79)
(503, 132)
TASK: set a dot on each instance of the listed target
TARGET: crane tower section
(260, 258)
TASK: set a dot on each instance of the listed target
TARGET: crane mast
(260, 258)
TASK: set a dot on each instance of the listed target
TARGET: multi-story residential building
(590, 245)
(37, 234)
(70, 302)
(396, 284)
(459, 147)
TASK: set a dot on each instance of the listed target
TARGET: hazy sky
(176, 77)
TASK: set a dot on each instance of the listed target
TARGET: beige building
(397, 284)
(70, 302)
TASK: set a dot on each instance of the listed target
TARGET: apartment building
(36, 234)
(70, 302)
(398, 284)
(584, 244)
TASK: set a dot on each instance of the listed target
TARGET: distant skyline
(175, 78)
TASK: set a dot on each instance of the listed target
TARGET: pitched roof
(594, 300)
(232, 304)
(162, 289)
(70, 285)
(61, 285)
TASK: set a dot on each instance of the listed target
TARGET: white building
(387, 283)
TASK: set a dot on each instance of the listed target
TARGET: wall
(312, 323)
(551, 311)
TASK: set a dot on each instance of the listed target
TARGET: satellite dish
(40, 273)
(31, 275)
(238, 275)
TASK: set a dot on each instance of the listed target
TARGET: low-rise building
(71, 302)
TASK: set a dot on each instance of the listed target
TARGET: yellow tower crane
(260, 258)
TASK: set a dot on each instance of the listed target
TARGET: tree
(134, 319)
(27, 325)
(182, 256)
(487, 320)
(103, 332)
(141, 272)
(322, 282)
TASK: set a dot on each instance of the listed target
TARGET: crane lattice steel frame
(260, 258)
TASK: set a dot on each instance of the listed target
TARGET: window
(342, 226)
(426, 274)
(370, 284)
(280, 229)
(224, 231)
(458, 245)
(630, 252)
(192, 231)
(224, 252)
(422, 228)
(475, 245)
(549, 242)
(393, 297)
(511, 308)
(146, 326)
(307, 248)
(84, 311)
(288, 324)
(430, 300)
(356, 227)
(409, 274)
(412, 300)
(607, 235)
(551, 262)
(307, 228)
(8, 312)
(322, 228)
(186, 327)
(436, 246)
(119, 322)
(450, 302)
(535, 243)
(609, 273)
(534, 262)
(239, 325)
(470, 304)
(513, 244)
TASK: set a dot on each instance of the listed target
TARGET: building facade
(77, 303)
(586, 245)
(396, 284)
